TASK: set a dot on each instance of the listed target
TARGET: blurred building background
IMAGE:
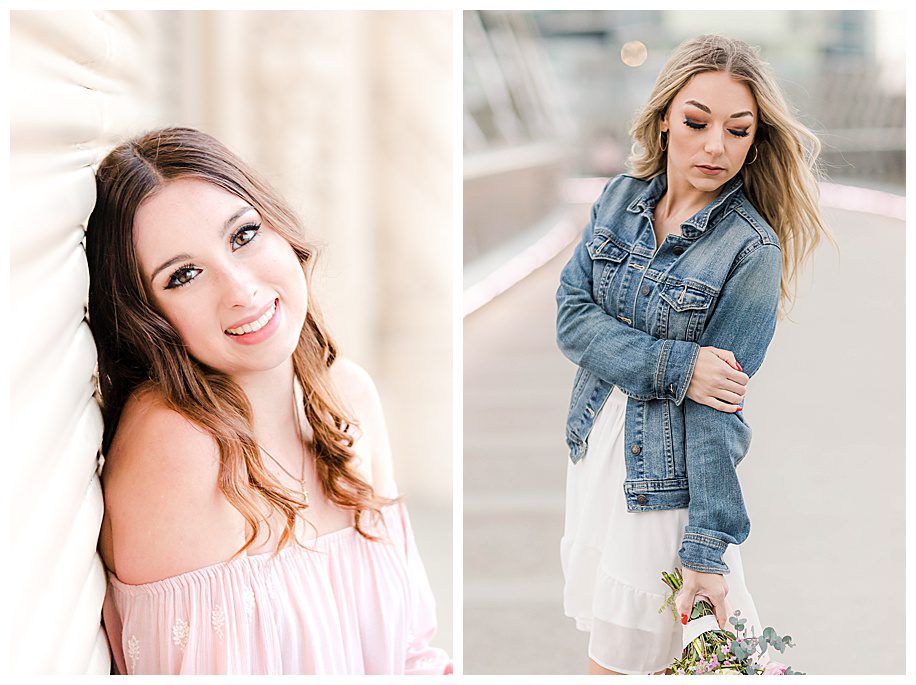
(549, 99)
(326, 106)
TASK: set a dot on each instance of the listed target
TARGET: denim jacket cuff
(675, 369)
(702, 551)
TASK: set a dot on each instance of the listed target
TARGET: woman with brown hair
(251, 522)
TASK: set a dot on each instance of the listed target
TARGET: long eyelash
(698, 127)
(242, 229)
(172, 278)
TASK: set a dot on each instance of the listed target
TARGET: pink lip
(242, 322)
(710, 170)
(261, 334)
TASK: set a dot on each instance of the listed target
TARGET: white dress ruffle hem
(612, 559)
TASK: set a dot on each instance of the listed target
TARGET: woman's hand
(717, 380)
(709, 586)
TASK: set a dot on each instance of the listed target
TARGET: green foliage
(722, 651)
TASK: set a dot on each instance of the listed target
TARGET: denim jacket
(633, 317)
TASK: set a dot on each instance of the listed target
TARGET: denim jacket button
(645, 290)
(636, 449)
(678, 250)
(641, 499)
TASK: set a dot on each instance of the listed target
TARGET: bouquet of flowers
(713, 651)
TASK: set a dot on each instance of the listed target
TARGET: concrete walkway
(823, 483)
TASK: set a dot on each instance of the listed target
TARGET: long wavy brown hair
(138, 348)
(781, 181)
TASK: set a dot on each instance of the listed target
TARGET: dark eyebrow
(231, 219)
(736, 115)
(165, 265)
(184, 256)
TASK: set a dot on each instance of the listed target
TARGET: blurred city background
(326, 106)
(548, 100)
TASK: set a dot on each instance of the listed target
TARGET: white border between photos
(457, 346)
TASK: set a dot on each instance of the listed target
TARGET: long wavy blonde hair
(138, 348)
(782, 182)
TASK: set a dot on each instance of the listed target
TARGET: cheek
(742, 145)
(299, 288)
(287, 267)
(188, 320)
(193, 314)
(683, 141)
(285, 275)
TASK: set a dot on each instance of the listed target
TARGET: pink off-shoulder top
(343, 605)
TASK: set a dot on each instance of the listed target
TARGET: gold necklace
(301, 479)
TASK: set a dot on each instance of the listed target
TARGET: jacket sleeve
(641, 365)
(744, 322)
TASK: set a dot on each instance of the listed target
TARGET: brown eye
(182, 276)
(244, 235)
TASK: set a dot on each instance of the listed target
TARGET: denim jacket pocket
(683, 309)
(607, 254)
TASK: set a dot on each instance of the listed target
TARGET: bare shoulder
(164, 510)
(355, 384)
(361, 398)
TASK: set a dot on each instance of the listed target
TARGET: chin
(709, 184)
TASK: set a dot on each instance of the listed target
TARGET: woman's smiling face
(230, 285)
(711, 125)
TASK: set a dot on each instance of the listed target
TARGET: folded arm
(643, 366)
(744, 321)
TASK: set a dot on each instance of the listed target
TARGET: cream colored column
(411, 58)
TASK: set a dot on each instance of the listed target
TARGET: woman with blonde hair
(667, 307)
(251, 523)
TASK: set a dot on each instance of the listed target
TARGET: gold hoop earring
(661, 141)
(756, 152)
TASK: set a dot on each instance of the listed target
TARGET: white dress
(612, 559)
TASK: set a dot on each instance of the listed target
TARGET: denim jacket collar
(699, 221)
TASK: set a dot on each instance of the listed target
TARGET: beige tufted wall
(78, 83)
(348, 115)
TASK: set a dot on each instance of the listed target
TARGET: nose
(239, 288)
(715, 141)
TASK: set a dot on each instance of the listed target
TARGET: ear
(664, 123)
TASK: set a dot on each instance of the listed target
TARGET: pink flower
(774, 668)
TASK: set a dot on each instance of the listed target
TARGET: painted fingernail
(739, 365)
(684, 619)
(739, 408)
